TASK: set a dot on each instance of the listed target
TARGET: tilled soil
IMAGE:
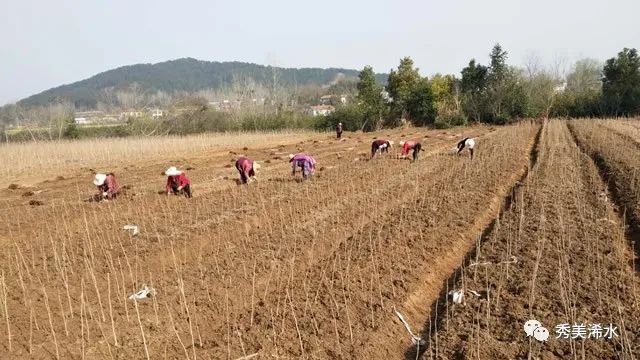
(242, 270)
(571, 267)
(618, 157)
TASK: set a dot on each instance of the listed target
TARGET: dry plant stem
(53, 331)
(144, 338)
(6, 309)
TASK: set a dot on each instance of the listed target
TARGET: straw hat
(401, 143)
(291, 156)
(99, 179)
(172, 171)
(256, 166)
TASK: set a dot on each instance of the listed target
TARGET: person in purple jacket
(306, 162)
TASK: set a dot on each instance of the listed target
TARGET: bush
(71, 130)
(351, 117)
(451, 120)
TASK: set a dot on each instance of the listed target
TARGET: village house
(321, 110)
(87, 117)
(156, 113)
(130, 113)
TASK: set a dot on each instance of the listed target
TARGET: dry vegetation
(316, 269)
(69, 155)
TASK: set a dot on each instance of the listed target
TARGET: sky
(51, 43)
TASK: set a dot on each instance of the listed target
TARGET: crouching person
(381, 146)
(303, 161)
(468, 143)
(107, 186)
(411, 145)
(177, 182)
(247, 169)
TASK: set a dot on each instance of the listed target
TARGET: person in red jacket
(411, 145)
(107, 186)
(339, 130)
(177, 182)
(247, 169)
(380, 145)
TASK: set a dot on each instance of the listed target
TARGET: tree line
(496, 93)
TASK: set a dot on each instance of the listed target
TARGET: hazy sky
(50, 43)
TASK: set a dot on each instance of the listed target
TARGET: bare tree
(542, 83)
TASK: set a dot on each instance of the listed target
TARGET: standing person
(380, 145)
(177, 182)
(107, 186)
(411, 145)
(247, 169)
(339, 130)
(306, 162)
(468, 143)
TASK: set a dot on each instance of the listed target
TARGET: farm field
(574, 263)
(317, 269)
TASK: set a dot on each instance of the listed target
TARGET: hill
(184, 75)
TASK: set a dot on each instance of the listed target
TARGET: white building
(321, 110)
(157, 113)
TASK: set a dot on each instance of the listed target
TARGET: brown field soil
(573, 267)
(618, 158)
(238, 270)
(289, 269)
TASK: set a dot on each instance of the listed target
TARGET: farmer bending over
(381, 146)
(247, 169)
(305, 162)
(468, 143)
(107, 186)
(177, 182)
(411, 145)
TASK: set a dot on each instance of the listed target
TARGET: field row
(558, 255)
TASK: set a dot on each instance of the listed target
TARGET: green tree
(497, 81)
(445, 89)
(370, 99)
(400, 86)
(621, 83)
(420, 104)
(474, 87)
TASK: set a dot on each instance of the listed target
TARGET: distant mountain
(188, 75)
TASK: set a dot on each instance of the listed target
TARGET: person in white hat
(339, 130)
(468, 143)
(177, 182)
(107, 186)
(247, 169)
